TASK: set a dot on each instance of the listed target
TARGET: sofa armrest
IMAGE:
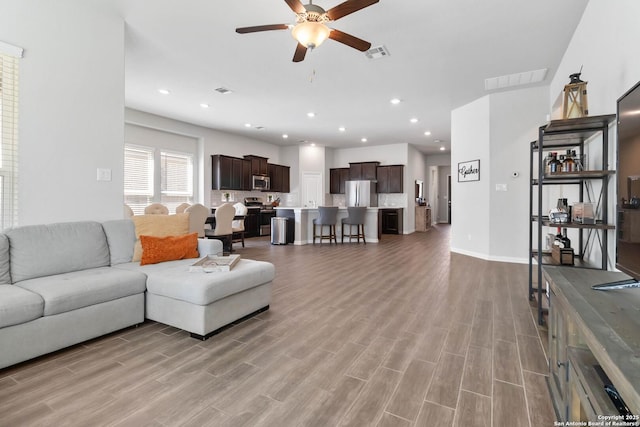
(209, 246)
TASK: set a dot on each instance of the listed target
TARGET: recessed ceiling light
(311, 114)
(247, 125)
(313, 144)
(442, 148)
(395, 101)
(363, 140)
(164, 91)
(413, 120)
(203, 105)
(427, 133)
(285, 136)
(342, 128)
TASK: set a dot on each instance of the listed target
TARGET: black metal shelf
(599, 225)
(567, 134)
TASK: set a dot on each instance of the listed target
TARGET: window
(152, 175)
(9, 57)
(176, 170)
(138, 177)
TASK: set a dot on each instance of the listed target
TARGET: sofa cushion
(173, 280)
(44, 250)
(5, 261)
(70, 291)
(18, 305)
(170, 248)
(158, 226)
(121, 237)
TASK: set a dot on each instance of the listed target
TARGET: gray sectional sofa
(61, 284)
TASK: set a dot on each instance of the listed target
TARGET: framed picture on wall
(469, 171)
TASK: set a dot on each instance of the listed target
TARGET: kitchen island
(304, 223)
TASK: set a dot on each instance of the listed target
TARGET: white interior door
(311, 189)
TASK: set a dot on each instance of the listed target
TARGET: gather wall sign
(469, 171)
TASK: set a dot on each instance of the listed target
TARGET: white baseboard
(487, 257)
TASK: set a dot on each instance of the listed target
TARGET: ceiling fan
(310, 29)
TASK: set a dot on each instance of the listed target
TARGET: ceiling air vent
(223, 90)
(517, 79)
(377, 52)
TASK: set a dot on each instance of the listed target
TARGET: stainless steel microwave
(260, 182)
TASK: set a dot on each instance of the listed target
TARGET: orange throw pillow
(169, 248)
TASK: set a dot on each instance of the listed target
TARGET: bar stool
(328, 215)
(355, 217)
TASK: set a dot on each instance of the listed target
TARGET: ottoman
(205, 303)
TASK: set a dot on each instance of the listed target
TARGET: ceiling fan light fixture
(310, 34)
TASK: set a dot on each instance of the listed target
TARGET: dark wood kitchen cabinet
(390, 179)
(230, 173)
(390, 220)
(280, 180)
(226, 172)
(363, 170)
(337, 178)
(252, 223)
(259, 165)
(247, 182)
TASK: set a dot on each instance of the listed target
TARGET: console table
(594, 339)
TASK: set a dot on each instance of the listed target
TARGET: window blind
(176, 179)
(8, 139)
(138, 177)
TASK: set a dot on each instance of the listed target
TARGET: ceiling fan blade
(296, 6)
(245, 30)
(349, 40)
(301, 51)
(348, 7)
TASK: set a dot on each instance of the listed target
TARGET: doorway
(448, 199)
(311, 189)
(444, 191)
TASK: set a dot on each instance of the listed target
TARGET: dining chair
(237, 225)
(328, 216)
(198, 215)
(156, 209)
(223, 231)
(182, 207)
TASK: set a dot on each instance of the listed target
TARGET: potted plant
(226, 196)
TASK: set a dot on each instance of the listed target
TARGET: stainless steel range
(266, 212)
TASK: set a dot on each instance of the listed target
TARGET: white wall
(470, 210)
(71, 107)
(606, 45)
(611, 66)
(515, 118)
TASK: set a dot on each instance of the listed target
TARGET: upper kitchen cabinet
(337, 178)
(230, 173)
(226, 172)
(279, 176)
(390, 179)
(363, 170)
(259, 165)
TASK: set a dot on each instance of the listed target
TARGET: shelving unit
(562, 135)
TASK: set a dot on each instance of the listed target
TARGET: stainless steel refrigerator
(361, 193)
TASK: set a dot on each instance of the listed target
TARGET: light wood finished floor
(399, 333)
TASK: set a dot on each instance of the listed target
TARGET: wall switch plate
(501, 187)
(103, 174)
